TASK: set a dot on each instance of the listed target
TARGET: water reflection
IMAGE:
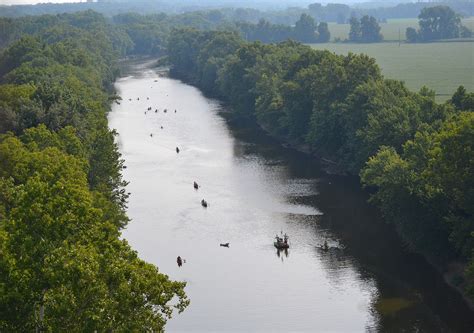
(257, 188)
(282, 253)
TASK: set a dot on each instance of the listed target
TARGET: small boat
(204, 203)
(225, 244)
(325, 246)
(282, 243)
(196, 186)
(177, 150)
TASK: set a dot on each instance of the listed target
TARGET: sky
(29, 2)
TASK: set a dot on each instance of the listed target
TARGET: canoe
(279, 245)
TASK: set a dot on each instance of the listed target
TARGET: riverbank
(255, 188)
(344, 109)
(450, 271)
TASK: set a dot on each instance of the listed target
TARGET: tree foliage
(402, 143)
(63, 265)
(438, 22)
(365, 30)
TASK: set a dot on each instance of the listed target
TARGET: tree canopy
(438, 22)
(365, 30)
(63, 265)
(402, 143)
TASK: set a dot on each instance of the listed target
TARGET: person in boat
(325, 246)
(204, 203)
(177, 150)
(179, 261)
(196, 186)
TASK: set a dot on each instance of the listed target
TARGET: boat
(196, 186)
(282, 242)
(204, 203)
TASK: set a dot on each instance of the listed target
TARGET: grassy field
(439, 66)
(390, 29)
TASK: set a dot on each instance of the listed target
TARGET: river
(366, 281)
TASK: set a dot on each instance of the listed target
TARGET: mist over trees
(365, 30)
(62, 196)
(249, 12)
(435, 23)
(306, 30)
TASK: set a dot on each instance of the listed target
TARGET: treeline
(63, 266)
(306, 30)
(245, 11)
(147, 34)
(415, 155)
(439, 22)
(365, 30)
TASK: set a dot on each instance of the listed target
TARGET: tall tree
(355, 32)
(439, 22)
(305, 29)
(367, 30)
(323, 33)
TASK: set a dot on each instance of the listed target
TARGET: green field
(439, 66)
(390, 29)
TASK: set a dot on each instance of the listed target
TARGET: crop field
(440, 66)
(389, 30)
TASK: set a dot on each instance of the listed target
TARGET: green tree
(367, 30)
(305, 29)
(323, 33)
(439, 22)
(411, 35)
(64, 264)
(355, 31)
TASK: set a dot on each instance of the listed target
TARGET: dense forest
(147, 34)
(242, 10)
(63, 199)
(63, 264)
(415, 156)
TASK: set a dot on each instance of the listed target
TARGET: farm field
(389, 30)
(439, 66)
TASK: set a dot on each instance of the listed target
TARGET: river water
(366, 281)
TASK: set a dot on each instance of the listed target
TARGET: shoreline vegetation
(402, 144)
(63, 200)
(63, 264)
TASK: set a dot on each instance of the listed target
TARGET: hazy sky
(27, 2)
